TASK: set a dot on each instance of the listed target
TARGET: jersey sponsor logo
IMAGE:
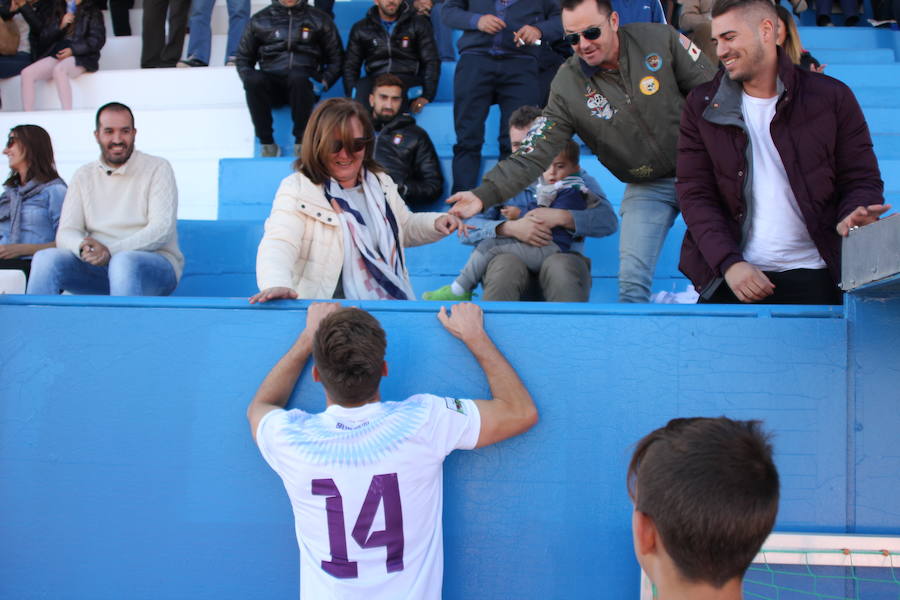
(649, 86)
(598, 104)
(305, 33)
(455, 405)
(398, 137)
(653, 62)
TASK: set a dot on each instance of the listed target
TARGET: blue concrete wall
(127, 468)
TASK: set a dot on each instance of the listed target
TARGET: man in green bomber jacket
(622, 93)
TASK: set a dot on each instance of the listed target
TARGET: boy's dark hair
(711, 489)
(605, 6)
(524, 116)
(349, 348)
(115, 107)
(720, 7)
(571, 151)
(388, 79)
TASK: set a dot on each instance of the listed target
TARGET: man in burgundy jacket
(775, 164)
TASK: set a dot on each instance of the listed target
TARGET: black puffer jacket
(86, 38)
(410, 50)
(407, 154)
(285, 39)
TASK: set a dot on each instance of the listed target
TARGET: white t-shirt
(778, 239)
(366, 488)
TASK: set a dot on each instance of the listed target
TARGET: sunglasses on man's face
(591, 33)
(357, 145)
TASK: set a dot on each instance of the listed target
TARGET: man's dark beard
(381, 119)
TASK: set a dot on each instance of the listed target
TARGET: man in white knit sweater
(117, 232)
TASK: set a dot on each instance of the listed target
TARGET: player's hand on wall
(315, 313)
(748, 283)
(465, 321)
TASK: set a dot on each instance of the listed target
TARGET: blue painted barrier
(128, 469)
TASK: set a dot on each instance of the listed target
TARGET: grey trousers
(487, 250)
(561, 277)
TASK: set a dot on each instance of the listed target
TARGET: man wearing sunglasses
(622, 93)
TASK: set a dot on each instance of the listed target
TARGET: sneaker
(191, 62)
(851, 21)
(269, 150)
(824, 21)
(297, 148)
(446, 294)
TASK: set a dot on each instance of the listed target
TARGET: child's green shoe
(446, 294)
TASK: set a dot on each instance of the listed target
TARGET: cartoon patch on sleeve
(653, 62)
(537, 132)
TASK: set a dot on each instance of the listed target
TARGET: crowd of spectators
(539, 203)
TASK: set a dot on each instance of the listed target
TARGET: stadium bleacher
(126, 470)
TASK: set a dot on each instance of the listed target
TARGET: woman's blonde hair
(333, 116)
(791, 42)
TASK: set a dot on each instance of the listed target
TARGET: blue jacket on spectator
(596, 221)
(464, 14)
(29, 214)
(639, 11)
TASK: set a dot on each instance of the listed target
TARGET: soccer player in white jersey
(365, 476)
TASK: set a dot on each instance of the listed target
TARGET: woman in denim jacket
(32, 198)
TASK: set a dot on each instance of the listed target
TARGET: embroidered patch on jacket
(455, 405)
(649, 85)
(653, 62)
(398, 137)
(537, 132)
(598, 104)
(641, 172)
(692, 48)
(404, 43)
(305, 33)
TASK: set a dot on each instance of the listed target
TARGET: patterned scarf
(373, 263)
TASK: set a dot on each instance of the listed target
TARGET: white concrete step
(139, 88)
(219, 22)
(192, 139)
(125, 52)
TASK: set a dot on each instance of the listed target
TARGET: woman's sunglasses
(11, 140)
(357, 145)
(591, 33)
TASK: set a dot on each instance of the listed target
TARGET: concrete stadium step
(192, 139)
(139, 88)
(882, 120)
(879, 76)
(125, 52)
(831, 56)
(814, 38)
(345, 14)
(870, 96)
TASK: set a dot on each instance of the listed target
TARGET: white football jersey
(366, 487)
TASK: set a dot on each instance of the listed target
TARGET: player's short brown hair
(348, 349)
(711, 488)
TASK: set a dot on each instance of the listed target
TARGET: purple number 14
(382, 488)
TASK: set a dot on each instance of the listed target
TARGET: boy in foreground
(705, 495)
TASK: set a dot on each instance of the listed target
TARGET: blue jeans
(201, 32)
(132, 273)
(648, 211)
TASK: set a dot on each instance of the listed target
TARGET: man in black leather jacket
(299, 53)
(393, 39)
(402, 147)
